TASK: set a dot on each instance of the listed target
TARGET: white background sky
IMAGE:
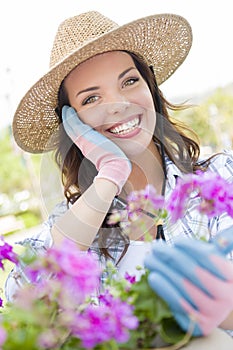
(28, 27)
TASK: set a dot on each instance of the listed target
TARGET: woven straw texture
(163, 41)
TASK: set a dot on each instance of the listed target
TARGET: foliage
(16, 179)
(30, 218)
(14, 172)
(211, 119)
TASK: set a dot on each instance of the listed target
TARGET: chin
(134, 147)
(133, 151)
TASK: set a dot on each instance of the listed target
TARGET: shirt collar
(172, 173)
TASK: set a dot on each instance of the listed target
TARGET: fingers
(217, 288)
(181, 309)
(72, 124)
(69, 114)
(169, 284)
(201, 253)
(188, 324)
(224, 240)
(179, 269)
(204, 312)
(210, 312)
(224, 266)
(175, 260)
(79, 132)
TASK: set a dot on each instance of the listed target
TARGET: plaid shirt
(192, 225)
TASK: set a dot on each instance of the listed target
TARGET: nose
(117, 105)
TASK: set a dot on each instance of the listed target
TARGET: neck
(146, 169)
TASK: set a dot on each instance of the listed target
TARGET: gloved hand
(195, 279)
(108, 158)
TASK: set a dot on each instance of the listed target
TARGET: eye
(130, 81)
(90, 99)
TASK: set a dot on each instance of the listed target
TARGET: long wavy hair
(178, 142)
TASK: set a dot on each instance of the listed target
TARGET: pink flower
(80, 266)
(112, 319)
(75, 273)
(178, 200)
(3, 336)
(6, 253)
(215, 193)
(129, 278)
(146, 199)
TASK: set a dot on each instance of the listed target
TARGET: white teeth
(126, 127)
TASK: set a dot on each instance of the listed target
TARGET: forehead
(115, 55)
(118, 55)
(111, 60)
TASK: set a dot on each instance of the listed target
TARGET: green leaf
(170, 331)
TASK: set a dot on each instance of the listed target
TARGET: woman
(100, 107)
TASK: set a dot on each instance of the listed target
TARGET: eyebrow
(125, 72)
(92, 88)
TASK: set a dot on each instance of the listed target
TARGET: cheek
(145, 98)
(91, 117)
(149, 121)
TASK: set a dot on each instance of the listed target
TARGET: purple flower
(129, 278)
(146, 199)
(92, 326)
(6, 253)
(80, 265)
(75, 274)
(178, 200)
(3, 336)
(112, 319)
(215, 193)
(150, 194)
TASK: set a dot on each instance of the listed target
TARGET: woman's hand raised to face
(110, 161)
(195, 279)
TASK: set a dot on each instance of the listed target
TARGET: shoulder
(222, 163)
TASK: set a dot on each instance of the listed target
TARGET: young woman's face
(110, 95)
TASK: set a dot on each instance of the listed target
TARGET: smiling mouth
(125, 128)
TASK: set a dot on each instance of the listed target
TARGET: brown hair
(183, 150)
(172, 135)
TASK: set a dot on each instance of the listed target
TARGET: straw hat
(163, 40)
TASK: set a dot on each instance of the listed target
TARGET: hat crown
(76, 32)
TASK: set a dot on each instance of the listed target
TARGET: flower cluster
(66, 307)
(215, 192)
(138, 203)
(62, 304)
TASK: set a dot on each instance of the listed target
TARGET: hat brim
(163, 41)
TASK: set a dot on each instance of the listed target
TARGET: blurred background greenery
(19, 204)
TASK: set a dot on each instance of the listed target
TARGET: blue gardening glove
(108, 158)
(195, 279)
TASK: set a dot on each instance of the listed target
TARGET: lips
(126, 127)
